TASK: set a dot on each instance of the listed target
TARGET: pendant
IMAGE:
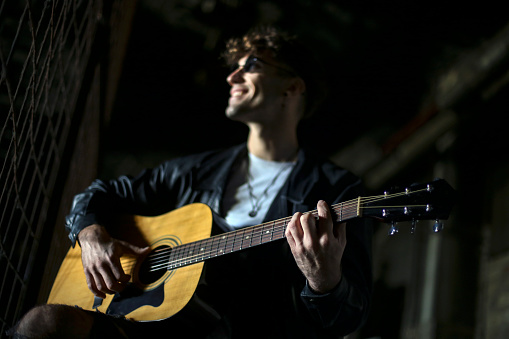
(253, 213)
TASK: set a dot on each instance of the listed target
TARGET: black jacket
(259, 292)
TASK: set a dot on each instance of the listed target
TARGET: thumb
(133, 249)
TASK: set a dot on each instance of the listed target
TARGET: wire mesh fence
(47, 53)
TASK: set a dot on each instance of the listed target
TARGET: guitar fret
(203, 249)
(265, 234)
(222, 245)
(191, 253)
(237, 245)
(230, 242)
(196, 251)
(221, 251)
(244, 240)
(259, 239)
(279, 233)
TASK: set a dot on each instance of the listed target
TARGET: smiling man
(314, 284)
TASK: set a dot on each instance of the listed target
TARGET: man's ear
(297, 87)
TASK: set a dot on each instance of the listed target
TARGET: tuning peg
(438, 226)
(394, 229)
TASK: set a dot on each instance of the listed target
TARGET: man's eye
(249, 66)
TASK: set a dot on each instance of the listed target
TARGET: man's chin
(233, 112)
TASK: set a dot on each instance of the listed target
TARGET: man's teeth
(237, 94)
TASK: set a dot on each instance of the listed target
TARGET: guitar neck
(248, 237)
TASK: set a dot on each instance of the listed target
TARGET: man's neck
(278, 146)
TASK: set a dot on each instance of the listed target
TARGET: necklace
(256, 203)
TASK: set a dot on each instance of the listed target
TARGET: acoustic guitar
(164, 281)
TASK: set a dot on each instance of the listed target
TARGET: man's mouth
(237, 92)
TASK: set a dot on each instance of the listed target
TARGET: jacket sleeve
(152, 192)
(346, 308)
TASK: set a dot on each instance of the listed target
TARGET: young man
(314, 284)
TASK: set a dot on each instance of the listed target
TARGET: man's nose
(235, 77)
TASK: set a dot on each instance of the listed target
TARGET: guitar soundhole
(154, 265)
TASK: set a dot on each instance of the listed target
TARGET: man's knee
(53, 321)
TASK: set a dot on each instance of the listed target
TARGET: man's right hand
(100, 255)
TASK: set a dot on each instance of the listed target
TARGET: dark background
(387, 63)
(382, 59)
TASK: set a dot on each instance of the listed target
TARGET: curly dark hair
(288, 50)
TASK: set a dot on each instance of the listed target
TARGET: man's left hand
(317, 248)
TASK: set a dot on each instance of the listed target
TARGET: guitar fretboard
(248, 237)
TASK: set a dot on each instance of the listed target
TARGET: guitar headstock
(429, 201)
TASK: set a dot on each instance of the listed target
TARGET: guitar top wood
(146, 301)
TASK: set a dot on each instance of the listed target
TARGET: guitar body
(165, 280)
(149, 296)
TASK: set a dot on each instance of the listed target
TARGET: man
(314, 284)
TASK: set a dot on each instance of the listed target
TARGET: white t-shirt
(265, 178)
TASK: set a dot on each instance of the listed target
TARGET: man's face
(257, 89)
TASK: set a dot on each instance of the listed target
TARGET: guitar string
(161, 260)
(259, 231)
(210, 248)
(228, 242)
(205, 254)
(255, 235)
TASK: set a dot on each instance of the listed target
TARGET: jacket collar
(215, 177)
(302, 179)
(296, 188)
